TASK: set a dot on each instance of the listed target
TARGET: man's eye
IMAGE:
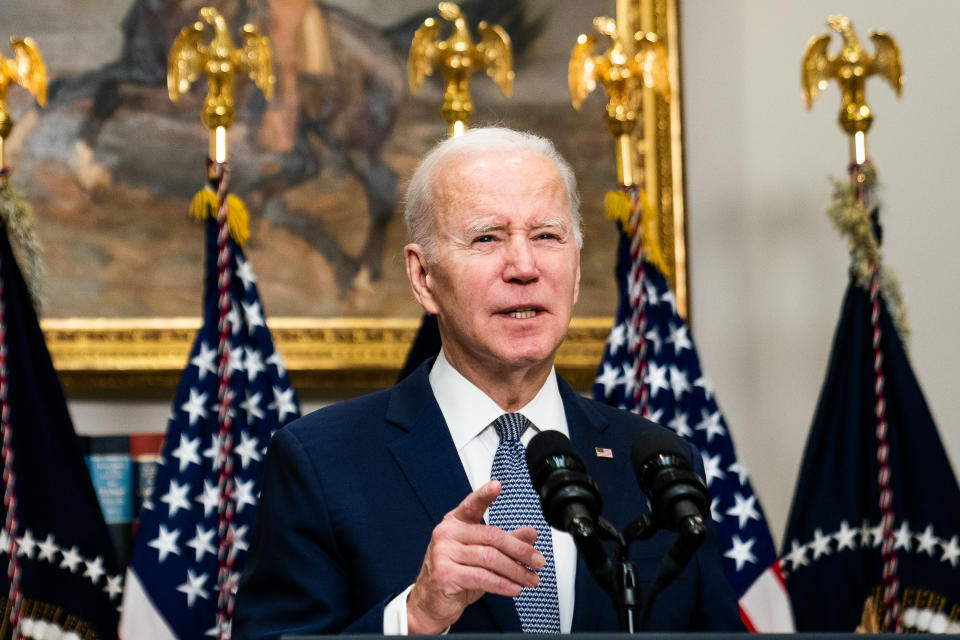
(486, 238)
(547, 236)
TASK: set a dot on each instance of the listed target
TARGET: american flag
(171, 586)
(676, 394)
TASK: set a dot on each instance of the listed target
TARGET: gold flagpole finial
(220, 61)
(26, 68)
(851, 68)
(458, 57)
(623, 74)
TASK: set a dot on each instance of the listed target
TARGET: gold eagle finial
(26, 68)
(459, 58)
(621, 75)
(221, 62)
(850, 68)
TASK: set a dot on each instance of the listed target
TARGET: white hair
(419, 210)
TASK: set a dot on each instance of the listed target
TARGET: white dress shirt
(470, 414)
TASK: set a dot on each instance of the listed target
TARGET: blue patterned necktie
(518, 506)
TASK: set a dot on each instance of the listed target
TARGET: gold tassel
(17, 214)
(204, 204)
(619, 206)
(852, 219)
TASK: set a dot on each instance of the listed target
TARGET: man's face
(505, 273)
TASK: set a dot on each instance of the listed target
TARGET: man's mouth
(522, 313)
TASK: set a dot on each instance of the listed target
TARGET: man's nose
(521, 265)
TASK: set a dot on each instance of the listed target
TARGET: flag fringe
(17, 214)
(205, 204)
(852, 219)
(620, 206)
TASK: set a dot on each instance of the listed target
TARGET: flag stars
(193, 587)
(252, 406)
(711, 468)
(210, 498)
(94, 569)
(679, 424)
(926, 541)
(195, 406)
(617, 338)
(239, 537)
(797, 556)
(678, 382)
(744, 509)
(656, 378)
(187, 453)
(714, 513)
(26, 545)
(710, 422)
(741, 472)
(214, 451)
(865, 530)
(245, 273)
(846, 537)
(608, 379)
(176, 497)
(706, 385)
(653, 337)
(254, 316)
(277, 360)
(48, 549)
(165, 543)
(901, 537)
(4, 542)
(247, 450)
(113, 586)
(235, 362)
(205, 361)
(741, 553)
(254, 364)
(951, 551)
(244, 495)
(283, 403)
(71, 559)
(233, 319)
(820, 544)
(202, 543)
(679, 338)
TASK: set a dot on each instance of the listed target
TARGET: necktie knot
(510, 426)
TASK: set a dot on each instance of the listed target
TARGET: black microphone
(678, 498)
(570, 499)
(679, 502)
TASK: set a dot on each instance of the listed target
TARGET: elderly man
(379, 514)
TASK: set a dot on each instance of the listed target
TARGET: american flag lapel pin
(604, 452)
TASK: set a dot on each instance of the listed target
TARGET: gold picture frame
(330, 356)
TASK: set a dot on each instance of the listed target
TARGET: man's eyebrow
(484, 227)
(551, 223)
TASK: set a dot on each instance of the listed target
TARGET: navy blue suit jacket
(351, 494)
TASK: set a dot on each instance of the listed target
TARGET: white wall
(768, 270)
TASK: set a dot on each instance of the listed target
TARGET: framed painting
(110, 166)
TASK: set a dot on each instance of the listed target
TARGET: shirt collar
(468, 410)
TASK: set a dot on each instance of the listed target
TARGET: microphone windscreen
(548, 444)
(656, 441)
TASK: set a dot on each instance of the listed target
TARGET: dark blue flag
(873, 440)
(54, 540)
(172, 584)
(676, 394)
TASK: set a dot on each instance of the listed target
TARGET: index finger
(476, 503)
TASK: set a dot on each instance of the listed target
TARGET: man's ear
(418, 272)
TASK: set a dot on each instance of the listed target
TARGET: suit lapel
(430, 462)
(589, 430)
